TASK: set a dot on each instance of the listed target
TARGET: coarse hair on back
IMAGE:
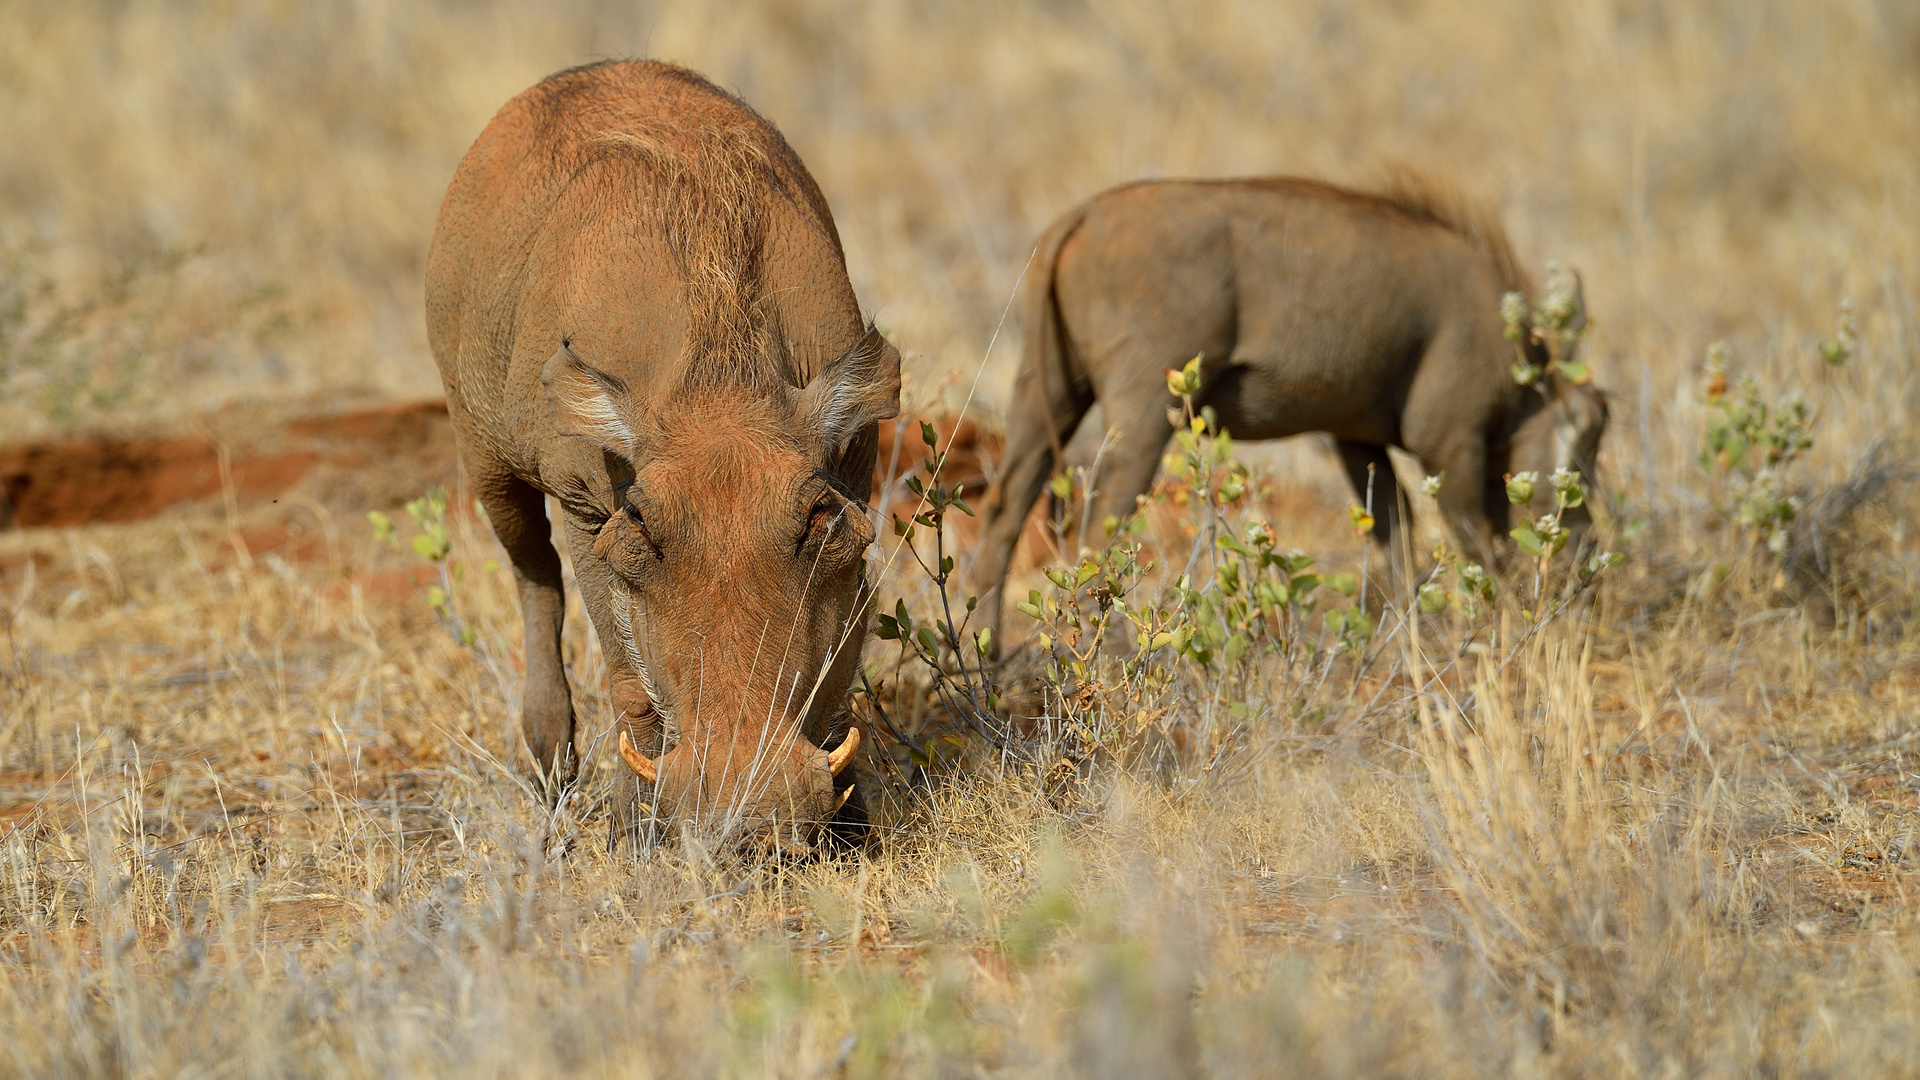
(707, 192)
(1424, 196)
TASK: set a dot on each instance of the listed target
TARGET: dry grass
(254, 816)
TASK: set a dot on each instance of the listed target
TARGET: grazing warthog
(639, 305)
(1374, 318)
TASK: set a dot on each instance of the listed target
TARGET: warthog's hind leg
(1024, 471)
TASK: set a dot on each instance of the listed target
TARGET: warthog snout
(764, 796)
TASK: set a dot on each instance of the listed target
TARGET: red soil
(359, 459)
(106, 478)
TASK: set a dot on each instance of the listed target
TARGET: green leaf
(1433, 598)
(1229, 577)
(1190, 377)
(928, 641)
(886, 628)
(1526, 539)
(1574, 371)
(1344, 584)
(1062, 486)
(928, 436)
(1294, 561)
(382, 526)
(1236, 648)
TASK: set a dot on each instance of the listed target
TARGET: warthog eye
(836, 528)
(820, 521)
(634, 517)
(625, 542)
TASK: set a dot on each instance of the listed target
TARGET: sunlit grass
(261, 810)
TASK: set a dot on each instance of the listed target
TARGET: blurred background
(219, 202)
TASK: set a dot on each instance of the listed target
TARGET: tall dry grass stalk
(260, 810)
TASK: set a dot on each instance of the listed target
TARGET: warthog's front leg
(1380, 491)
(519, 516)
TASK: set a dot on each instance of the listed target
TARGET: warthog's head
(736, 562)
(1563, 434)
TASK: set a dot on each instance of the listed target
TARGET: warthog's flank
(639, 305)
(1372, 317)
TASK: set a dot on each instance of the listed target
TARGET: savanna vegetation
(1632, 807)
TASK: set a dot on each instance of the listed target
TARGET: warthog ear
(588, 402)
(859, 389)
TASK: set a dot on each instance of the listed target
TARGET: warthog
(1372, 317)
(638, 301)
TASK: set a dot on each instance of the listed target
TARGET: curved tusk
(844, 796)
(842, 755)
(640, 763)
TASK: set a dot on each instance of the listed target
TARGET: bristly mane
(709, 201)
(1426, 197)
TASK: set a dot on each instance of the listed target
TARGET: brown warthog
(639, 305)
(1374, 318)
